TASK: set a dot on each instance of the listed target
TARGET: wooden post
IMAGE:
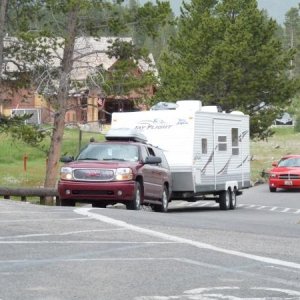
(80, 140)
(25, 157)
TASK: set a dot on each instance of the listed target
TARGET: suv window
(144, 153)
(159, 153)
(151, 152)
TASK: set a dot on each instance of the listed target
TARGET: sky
(275, 8)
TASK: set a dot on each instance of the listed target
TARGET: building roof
(91, 52)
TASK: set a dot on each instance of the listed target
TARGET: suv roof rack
(125, 134)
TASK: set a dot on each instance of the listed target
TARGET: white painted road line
(57, 234)
(271, 208)
(41, 220)
(81, 242)
(261, 207)
(200, 245)
(204, 204)
(226, 292)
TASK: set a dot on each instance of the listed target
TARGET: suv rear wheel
(164, 202)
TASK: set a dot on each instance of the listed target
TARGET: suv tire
(164, 202)
(67, 202)
(135, 204)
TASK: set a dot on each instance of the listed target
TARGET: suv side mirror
(152, 160)
(274, 164)
(66, 159)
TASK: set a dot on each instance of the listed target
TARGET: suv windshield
(108, 151)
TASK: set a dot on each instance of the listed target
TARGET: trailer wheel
(224, 201)
(233, 200)
(135, 204)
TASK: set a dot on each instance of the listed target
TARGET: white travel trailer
(208, 151)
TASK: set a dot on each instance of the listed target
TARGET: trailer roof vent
(125, 134)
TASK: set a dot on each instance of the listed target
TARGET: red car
(123, 169)
(285, 174)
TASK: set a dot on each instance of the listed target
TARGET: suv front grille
(94, 174)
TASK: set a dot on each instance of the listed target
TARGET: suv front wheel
(135, 204)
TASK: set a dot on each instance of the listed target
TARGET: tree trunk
(3, 9)
(61, 101)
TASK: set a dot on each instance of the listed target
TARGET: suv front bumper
(116, 191)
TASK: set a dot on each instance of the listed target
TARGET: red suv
(123, 169)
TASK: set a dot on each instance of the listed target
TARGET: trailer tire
(135, 204)
(233, 199)
(225, 199)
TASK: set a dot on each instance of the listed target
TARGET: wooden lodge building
(85, 106)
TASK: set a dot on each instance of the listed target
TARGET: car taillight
(124, 174)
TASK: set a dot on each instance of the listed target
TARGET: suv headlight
(273, 175)
(66, 173)
(124, 174)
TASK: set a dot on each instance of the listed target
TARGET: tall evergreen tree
(226, 53)
(292, 38)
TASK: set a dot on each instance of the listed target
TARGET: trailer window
(222, 143)
(235, 141)
(204, 146)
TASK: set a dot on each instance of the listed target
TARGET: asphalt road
(195, 251)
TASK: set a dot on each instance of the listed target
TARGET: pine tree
(226, 53)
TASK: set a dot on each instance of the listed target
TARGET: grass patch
(285, 141)
(12, 171)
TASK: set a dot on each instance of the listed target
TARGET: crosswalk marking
(182, 204)
(261, 207)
